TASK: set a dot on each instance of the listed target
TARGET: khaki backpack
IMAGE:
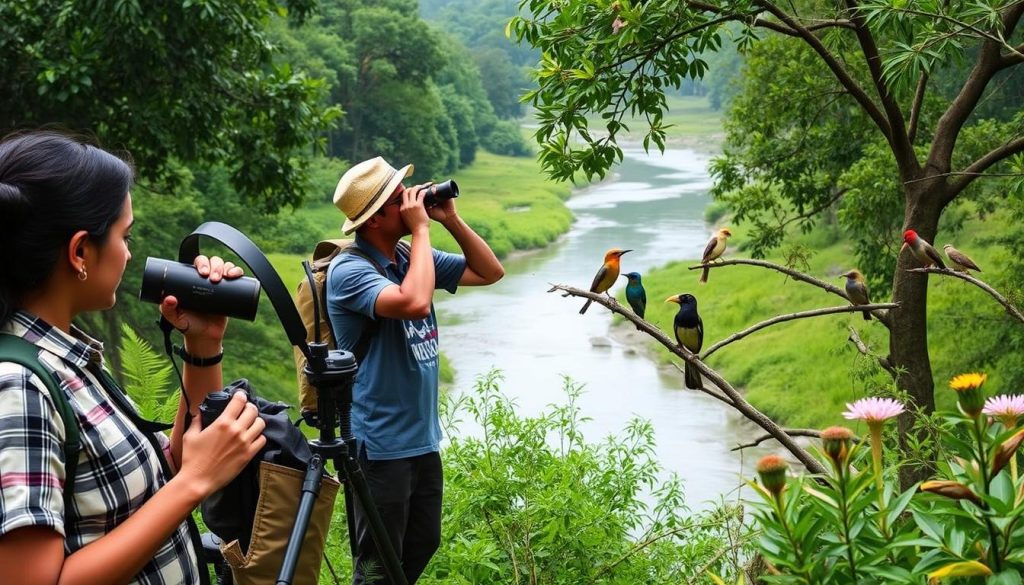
(306, 298)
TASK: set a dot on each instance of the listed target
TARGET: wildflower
(772, 471)
(873, 410)
(617, 25)
(1007, 408)
(835, 441)
(952, 490)
(969, 393)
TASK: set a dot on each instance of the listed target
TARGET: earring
(82, 274)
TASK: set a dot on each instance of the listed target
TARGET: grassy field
(690, 117)
(803, 372)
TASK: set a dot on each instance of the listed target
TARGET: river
(653, 204)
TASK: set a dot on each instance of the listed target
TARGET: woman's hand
(203, 331)
(213, 456)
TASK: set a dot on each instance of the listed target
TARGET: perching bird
(922, 250)
(714, 249)
(961, 262)
(606, 275)
(689, 330)
(635, 294)
(857, 290)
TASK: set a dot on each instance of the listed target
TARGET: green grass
(802, 373)
(688, 116)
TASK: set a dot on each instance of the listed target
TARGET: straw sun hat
(364, 188)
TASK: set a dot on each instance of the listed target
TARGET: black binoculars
(236, 297)
(440, 192)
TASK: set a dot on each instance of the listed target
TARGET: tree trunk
(908, 339)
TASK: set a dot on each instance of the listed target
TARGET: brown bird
(857, 290)
(714, 249)
(922, 250)
(961, 262)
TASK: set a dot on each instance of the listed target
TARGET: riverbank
(803, 373)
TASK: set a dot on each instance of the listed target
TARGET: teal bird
(689, 330)
(635, 294)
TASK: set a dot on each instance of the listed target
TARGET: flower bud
(952, 490)
(772, 471)
(1006, 452)
(835, 441)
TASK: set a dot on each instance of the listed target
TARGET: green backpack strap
(16, 350)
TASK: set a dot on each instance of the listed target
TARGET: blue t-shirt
(394, 399)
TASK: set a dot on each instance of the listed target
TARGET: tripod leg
(389, 559)
(310, 490)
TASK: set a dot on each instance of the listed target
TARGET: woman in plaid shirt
(65, 223)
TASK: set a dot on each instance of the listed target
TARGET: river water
(653, 204)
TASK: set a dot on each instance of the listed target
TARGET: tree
(180, 81)
(617, 58)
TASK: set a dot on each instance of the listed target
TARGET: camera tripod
(331, 373)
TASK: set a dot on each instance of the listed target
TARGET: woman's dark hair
(51, 186)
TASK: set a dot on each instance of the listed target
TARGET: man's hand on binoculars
(443, 212)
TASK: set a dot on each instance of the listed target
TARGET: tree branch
(707, 391)
(978, 167)
(738, 402)
(915, 108)
(813, 433)
(792, 317)
(794, 274)
(1010, 308)
(898, 139)
(833, 64)
(988, 63)
(863, 348)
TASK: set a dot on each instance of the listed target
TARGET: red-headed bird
(857, 290)
(689, 330)
(714, 249)
(960, 261)
(606, 275)
(922, 250)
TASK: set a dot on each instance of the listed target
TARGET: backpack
(312, 305)
(19, 351)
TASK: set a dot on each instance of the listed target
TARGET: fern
(147, 377)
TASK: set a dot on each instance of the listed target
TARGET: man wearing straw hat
(390, 318)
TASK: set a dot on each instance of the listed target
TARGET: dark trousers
(407, 493)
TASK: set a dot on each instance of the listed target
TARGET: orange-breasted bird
(922, 250)
(689, 330)
(606, 275)
(961, 262)
(714, 249)
(857, 290)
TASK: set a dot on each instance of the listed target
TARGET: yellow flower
(971, 381)
(968, 392)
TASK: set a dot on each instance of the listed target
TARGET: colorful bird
(922, 250)
(857, 290)
(714, 249)
(635, 294)
(961, 262)
(689, 330)
(606, 275)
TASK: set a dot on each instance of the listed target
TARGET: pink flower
(1006, 407)
(617, 25)
(873, 410)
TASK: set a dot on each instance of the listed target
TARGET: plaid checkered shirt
(117, 472)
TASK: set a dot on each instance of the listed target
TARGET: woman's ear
(78, 250)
